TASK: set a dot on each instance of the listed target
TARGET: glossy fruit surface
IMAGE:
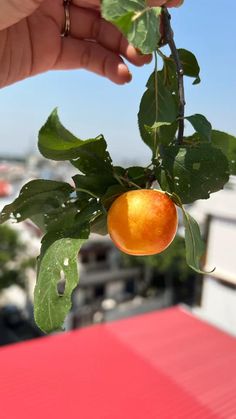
(142, 222)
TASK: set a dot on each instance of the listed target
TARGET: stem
(130, 182)
(150, 181)
(156, 102)
(123, 180)
(168, 36)
(118, 178)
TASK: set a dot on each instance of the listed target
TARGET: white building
(218, 302)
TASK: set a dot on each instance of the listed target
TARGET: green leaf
(227, 144)
(190, 64)
(134, 175)
(61, 218)
(162, 132)
(138, 175)
(158, 106)
(99, 225)
(89, 213)
(195, 247)
(201, 125)
(139, 23)
(57, 268)
(193, 172)
(190, 68)
(93, 157)
(95, 184)
(112, 193)
(37, 197)
(72, 216)
(57, 143)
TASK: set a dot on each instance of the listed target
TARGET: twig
(151, 179)
(168, 37)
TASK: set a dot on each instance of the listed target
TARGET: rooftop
(167, 364)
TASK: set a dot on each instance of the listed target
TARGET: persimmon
(142, 222)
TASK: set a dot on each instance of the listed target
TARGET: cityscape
(113, 285)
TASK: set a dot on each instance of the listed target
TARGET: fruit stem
(169, 38)
(150, 181)
(130, 183)
(118, 178)
(123, 180)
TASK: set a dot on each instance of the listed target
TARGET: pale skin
(30, 41)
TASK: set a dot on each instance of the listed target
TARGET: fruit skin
(142, 222)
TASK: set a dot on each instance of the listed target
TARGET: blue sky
(90, 105)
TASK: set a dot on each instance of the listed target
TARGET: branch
(169, 39)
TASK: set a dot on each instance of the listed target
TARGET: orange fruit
(142, 222)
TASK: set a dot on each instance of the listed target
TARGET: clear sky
(90, 105)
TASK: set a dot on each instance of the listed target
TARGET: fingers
(97, 46)
(174, 3)
(168, 3)
(13, 11)
(88, 55)
(95, 4)
(88, 24)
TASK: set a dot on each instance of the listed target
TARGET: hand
(30, 41)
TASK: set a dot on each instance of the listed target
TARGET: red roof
(163, 365)
(5, 188)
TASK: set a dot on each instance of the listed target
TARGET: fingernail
(130, 77)
(124, 72)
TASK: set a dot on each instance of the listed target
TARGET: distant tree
(13, 262)
(169, 269)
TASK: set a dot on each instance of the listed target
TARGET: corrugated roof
(161, 365)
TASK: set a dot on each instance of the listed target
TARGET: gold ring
(66, 31)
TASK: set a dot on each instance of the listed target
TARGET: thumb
(13, 11)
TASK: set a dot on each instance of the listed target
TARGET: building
(218, 218)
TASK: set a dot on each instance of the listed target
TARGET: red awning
(163, 365)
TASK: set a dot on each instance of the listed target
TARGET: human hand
(30, 41)
(95, 4)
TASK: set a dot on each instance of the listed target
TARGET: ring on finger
(67, 25)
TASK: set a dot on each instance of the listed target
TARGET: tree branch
(169, 39)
